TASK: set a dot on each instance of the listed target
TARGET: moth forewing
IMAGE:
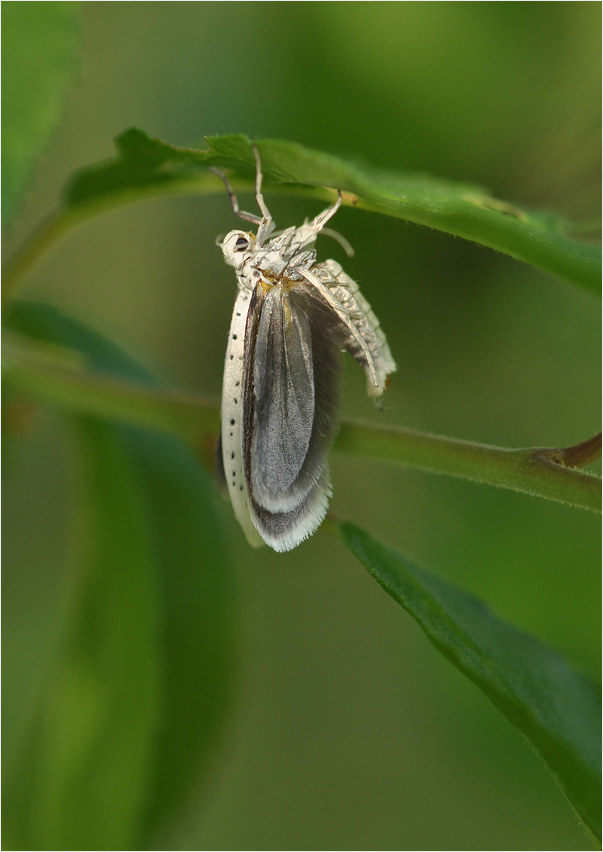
(290, 401)
(284, 403)
(364, 338)
(231, 430)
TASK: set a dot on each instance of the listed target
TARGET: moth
(282, 374)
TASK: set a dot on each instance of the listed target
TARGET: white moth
(280, 396)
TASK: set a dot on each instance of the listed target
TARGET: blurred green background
(348, 730)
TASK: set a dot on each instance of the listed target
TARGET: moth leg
(321, 220)
(308, 232)
(266, 224)
(343, 315)
(249, 217)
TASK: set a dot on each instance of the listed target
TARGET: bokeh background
(349, 731)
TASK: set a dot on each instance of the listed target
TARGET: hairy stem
(543, 472)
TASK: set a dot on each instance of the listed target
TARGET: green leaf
(148, 166)
(557, 708)
(39, 43)
(144, 166)
(172, 535)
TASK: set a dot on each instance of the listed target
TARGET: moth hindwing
(282, 372)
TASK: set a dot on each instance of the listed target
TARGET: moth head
(235, 246)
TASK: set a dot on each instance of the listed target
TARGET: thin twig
(579, 455)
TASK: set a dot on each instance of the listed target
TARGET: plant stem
(542, 472)
(26, 256)
(539, 471)
(38, 370)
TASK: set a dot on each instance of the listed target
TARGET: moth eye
(241, 244)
